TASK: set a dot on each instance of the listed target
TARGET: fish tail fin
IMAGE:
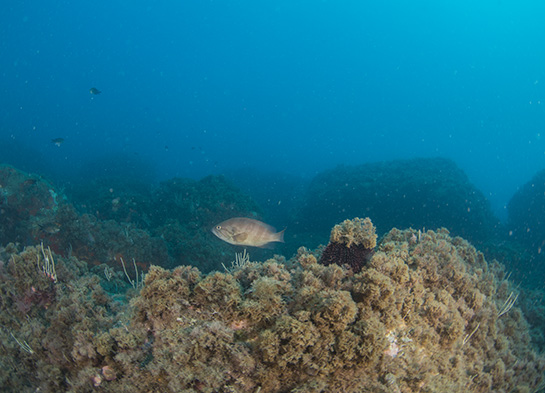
(280, 236)
(276, 237)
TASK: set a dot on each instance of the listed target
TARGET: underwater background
(399, 144)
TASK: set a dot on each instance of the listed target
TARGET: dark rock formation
(419, 193)
(527, 214)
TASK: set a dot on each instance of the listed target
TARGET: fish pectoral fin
(240, 237)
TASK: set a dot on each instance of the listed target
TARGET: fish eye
(218, 227)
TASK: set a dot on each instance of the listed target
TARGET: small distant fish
(30, 182)
(57, 141)
(94, 91)
(50, 229)
(242, 231)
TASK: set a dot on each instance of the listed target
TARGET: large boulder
(28, 204)
(526, 211)
(418, 193)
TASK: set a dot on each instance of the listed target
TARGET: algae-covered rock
(526, 224)
(171, 223)
(28, 204)
(121, 199)
(351, 243)
(113, 219)
(355, 232)
(526, 211)
(426, 313)
(420, 313)
(418, 193)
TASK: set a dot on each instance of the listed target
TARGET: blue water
(191, 88)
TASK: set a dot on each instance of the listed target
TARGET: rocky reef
(177, 215)
(106, 220)
(426, 313)
(28, 204)
(526, 226)
(122, 288)
(418, 193)
(526, 211)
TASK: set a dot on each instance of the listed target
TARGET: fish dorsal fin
(240, 237)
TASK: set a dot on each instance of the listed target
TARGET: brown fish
(242, 231)
(30, 182)
(49, 229)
